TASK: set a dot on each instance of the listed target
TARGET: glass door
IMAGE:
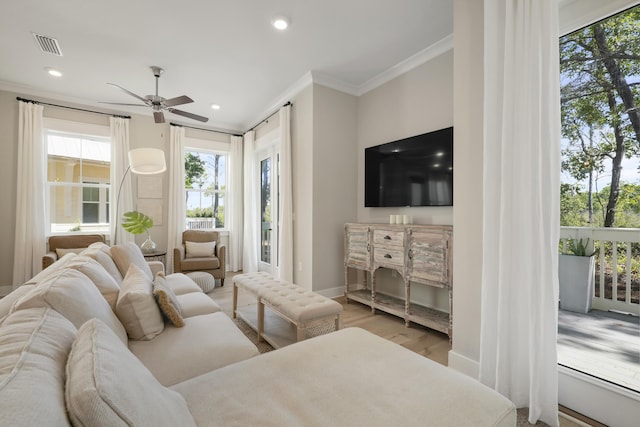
(268, 176)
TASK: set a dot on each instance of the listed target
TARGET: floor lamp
(142, 161)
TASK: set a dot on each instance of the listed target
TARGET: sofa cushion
(136, 307)
(97, 252)
(167, 301)
(197, 303)
(73, 295)
(107, 385)
(34, 345)
(127, 254)
(7, 302)
(181, 284)
(201, 264)
(199, 249)
(51, 270)
(205, 343)
(105, 283)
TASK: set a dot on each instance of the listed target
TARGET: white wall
(334, 189)
(467, 185)
(414, 103)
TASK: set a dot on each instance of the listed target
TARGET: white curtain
(251, 215)
(30, 241)
(285, 229)
(122, 195)
(521, 204)
(176, 216)
(235, 220)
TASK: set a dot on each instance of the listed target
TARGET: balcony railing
(201, 223)
(617, 281)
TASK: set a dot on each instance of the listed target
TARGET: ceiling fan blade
(129, 93)
(189, 115)
(158, 116)
(120, 103)
(178, 100)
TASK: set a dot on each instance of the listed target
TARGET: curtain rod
(206, 130)
(266, 119)
(72, 108)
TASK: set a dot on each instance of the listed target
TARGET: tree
(194, 171)
(600, 67)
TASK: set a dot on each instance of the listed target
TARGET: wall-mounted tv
(415, 171)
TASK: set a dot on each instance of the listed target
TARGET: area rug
(248, 331)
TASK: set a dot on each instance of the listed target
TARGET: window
(78, 178)
(205, 188)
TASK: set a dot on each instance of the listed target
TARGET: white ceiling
(215, 51)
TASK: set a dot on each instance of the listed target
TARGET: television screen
(415, 171)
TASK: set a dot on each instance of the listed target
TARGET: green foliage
(573, 207)
(194, 170)
(136, 222)
(578, 247)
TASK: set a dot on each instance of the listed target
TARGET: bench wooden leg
(260, 319)
(235, 299)
(300, 335)
(338, 322)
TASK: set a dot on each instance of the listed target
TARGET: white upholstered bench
(306, 310)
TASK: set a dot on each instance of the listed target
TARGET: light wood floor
(424, 341)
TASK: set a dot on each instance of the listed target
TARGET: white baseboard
(332, 292)
(463, 364)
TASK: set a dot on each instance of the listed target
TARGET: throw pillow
(99, 276)
(167, 301)
(199, 249)
(107, 385)
(127, 254)
(136, 308)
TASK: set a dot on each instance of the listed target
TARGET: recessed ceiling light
(53, 72)
(215, 106)
(280, 23)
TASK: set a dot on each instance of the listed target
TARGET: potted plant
(576, 275)
(137, 223)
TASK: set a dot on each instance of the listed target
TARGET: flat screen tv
(415, 171)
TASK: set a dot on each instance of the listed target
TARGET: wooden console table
(421, 254)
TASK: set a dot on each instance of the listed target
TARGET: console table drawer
(392, 257)
(388, 237)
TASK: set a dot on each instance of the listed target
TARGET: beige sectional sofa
(67, 356)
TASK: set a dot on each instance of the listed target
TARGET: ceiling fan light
(147, 161)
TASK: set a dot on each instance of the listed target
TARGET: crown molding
(425, 55)
(334, 83)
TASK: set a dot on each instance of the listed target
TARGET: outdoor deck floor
(602, 344)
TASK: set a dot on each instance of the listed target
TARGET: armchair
(58, 245)
(184, 261)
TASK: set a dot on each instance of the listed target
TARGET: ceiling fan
(158, 103)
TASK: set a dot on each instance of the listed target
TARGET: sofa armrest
(156, 267)
(178, 257)
(48, 259)
(222, 254)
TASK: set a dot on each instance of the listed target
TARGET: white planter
(576, 275)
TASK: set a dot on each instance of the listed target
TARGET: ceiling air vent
(48, 44)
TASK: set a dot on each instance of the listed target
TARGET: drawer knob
(387, 237)
(387, 256)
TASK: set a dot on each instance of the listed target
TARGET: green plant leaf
(136, 222)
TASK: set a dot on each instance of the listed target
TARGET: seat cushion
(197, 303)
(182, 284)
(205, 343)
(137, 308)
(34, 345)
(200, 264)
(127, 254)
(107, 385)
(73, 295)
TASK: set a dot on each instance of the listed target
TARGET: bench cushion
(298, 304)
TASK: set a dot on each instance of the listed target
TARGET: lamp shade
(147, 161)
